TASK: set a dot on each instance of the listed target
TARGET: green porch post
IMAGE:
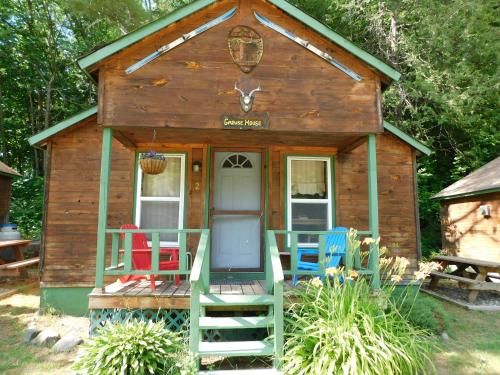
(373, 208)
(107, 137)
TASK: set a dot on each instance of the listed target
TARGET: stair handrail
(200, 283)
(274, 283)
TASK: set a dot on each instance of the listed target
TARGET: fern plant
(135, 347)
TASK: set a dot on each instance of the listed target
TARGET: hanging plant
(153, 163)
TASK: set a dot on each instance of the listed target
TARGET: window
(237, 161)
(309, 196)
(160, 199)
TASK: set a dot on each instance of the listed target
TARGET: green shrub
(27, 206)
(135, 347)
(426, 313)
(344, 329)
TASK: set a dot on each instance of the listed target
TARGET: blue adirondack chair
(336, 244)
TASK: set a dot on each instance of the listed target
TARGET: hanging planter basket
(153, 163)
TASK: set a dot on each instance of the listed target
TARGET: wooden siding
(192, 85)
(70, 240)
(5, 193)
(396, 194)
(73, 200)
(469, 234)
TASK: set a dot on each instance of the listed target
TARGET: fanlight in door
(237, 161)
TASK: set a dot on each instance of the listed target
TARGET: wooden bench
(20, 269)
(14, 268)
(474, 282)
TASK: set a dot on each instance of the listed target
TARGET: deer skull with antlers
(246, 100)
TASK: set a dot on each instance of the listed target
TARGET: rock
(30, 333)
(445, 336)
(47, 337)
(67, 343)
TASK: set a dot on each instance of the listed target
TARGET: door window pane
(160, 215)
(309, 217)
(166, 184)
(309, 179)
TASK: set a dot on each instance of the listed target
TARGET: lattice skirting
(175, 320)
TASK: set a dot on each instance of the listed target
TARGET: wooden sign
(255, 121)
(246, 47)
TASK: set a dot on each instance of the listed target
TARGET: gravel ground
(451, 289)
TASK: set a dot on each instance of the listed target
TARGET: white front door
(236, 210)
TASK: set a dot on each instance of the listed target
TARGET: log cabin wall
(73, 204)
(192, 85)
(396, 194)
(5, 194)
(466, 232)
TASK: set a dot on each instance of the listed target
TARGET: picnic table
(481, 279)
(18, 267)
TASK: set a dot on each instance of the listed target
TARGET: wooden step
(236, 322)
(235, 300)
(461, 279)
(236, 348)
(264, 371)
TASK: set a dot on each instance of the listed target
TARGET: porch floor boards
(138, 294)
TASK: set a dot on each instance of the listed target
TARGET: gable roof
(5, 170)
(482, 181)
(40, 138)
(127, 40)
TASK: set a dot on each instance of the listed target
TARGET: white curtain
(308, 177)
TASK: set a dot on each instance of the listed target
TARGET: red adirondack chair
(142, 258)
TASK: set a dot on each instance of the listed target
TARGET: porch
(275, 252)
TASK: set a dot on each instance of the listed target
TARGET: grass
(17, 358)
(473, 347)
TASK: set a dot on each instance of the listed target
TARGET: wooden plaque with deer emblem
(246, 47)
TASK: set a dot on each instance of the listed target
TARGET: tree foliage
(447, 51)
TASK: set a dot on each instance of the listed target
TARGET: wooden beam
(348, 148)
(107, 138)
(124, 140)
(373, 208)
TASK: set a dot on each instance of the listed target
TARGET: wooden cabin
(470, 214)
(252, 175)
(7, 174)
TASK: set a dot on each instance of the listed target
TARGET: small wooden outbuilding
(470, 214)
(6, 175)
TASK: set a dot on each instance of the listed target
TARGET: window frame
(289, 200)
(181, 199)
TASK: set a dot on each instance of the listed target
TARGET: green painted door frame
(107, 138)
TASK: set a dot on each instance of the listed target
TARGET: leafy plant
(426, 313)
(342, 329)
(153, 155)
(135, 347)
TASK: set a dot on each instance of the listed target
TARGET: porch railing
(274, 285)
(351, 261)
(121, 253)
(200, 284)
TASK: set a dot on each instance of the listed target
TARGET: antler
(254, 91)
(237, 89)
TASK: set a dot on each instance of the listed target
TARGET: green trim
(373, 259)
(408, 139)
(107, 138)
(266, 190)
(70, 301)
(208, 167)
(136, 176)
(337, 38)
(334, 201)
(135, 36)
(469, 194)
(53, 130)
